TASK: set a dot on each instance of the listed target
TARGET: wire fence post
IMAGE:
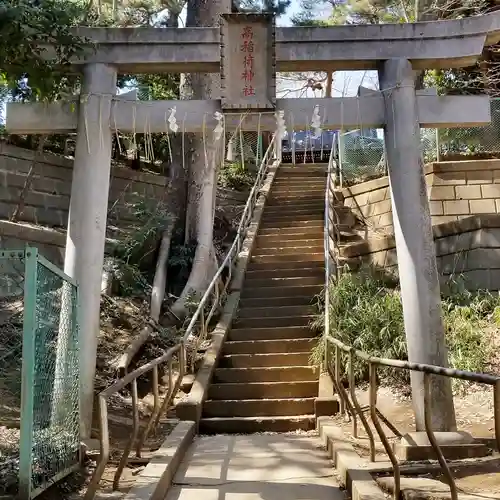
(28, 374)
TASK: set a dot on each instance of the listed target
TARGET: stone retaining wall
(47, 200)
(469, 247)
(456, 190)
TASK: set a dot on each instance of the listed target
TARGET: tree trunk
(202, 180)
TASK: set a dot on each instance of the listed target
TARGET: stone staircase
(264, 381)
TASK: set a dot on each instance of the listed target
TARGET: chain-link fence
(39, 382)
(361, 153)
(246, 148)
(480, 141)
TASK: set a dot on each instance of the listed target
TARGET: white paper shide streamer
(172, 121)
(316, 123)
(219, 128)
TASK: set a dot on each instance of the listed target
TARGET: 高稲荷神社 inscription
(247, 51)
(247, 48)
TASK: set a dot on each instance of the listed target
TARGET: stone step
(287, 242)
(250, 425)
(302, 171)
(266, 374)
(277, 323)
(258, 407)
(305, 249)
(289, 264)
(301, 272)
(267, 293)
(318, 256)
(270, 346)
(315, 231)
(270, 334)
(291, 223)
(307, 196)
(264, 390)
(305, 207)
(292, 216)
(253, 287)
(266, 359)
(276, 312)
(296, 201)
(300, 186)
(276, 301)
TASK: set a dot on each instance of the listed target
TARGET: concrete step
(254, 288)
(266, 374)
(296, 217)
(302, 171)
(264, 390)
(267, 359)
(270, 334)
(280, 257)
(301, 272)
(284, 232)
(276, 312)
(250, 425)
(266, 293)
(309, 207)
(258, 407)
(308, 196)
(277, 301)
(298, 187)
(304, 249)
(296, 201)
(289, 264)
(291, 223)
(287, 242)
(277, 323)
(270, 346)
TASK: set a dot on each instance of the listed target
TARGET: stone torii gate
(248, 84)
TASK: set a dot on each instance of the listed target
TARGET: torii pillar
(88, 208)
(418, 274)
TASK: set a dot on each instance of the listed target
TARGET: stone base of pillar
(416, 446)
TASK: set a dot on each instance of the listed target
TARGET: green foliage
(234, 175)
(366, 313)
(27, 27)
(278, 7)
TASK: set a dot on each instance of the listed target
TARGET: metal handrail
(349, 401)
(216, 292)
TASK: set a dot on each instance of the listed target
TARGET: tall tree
(26, 29)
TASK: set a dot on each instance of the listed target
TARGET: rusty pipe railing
(196, 332)
(131, 379)
(429, 371)
(350, 405)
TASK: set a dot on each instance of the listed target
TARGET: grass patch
(366, 312)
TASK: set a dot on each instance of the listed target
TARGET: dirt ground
(121, 319)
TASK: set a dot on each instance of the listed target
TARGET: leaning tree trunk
(202, 184)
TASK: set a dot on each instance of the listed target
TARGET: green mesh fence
(39, 305)
(11, 343)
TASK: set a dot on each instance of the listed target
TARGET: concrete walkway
(255, 467)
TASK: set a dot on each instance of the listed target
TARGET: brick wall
(456, 190)
(469, 247)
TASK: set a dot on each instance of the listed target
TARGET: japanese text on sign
(247, 48)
